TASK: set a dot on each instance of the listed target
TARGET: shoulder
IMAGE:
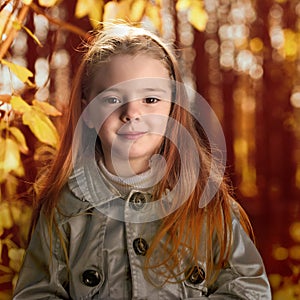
(241, 219)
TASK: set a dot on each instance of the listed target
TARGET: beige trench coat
(106, 253)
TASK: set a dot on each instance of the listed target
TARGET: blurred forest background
(243, 56)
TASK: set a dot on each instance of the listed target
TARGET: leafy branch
(4, 47)
(61, 24)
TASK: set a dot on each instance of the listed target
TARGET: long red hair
(188, 229)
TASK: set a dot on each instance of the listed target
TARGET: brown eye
(151, 100)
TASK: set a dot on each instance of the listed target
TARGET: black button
(91, 277)
(197, 275)
(137, 200)
(140, 246)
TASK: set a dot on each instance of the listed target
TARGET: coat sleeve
(245, 276)
(44, 273)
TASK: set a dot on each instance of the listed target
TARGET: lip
(132, 135)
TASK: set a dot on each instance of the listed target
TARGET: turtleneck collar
(143, 182)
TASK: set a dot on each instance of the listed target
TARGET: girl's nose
(130, 111)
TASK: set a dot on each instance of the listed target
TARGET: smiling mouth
(132, 135)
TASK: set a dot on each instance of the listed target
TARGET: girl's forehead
(125, 69)
(138, 63)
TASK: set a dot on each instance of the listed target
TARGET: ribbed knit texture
(143, 182)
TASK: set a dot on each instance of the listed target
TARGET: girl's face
(130, 101)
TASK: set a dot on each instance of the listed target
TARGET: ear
(85, 114)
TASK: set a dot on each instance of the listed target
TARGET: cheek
(158, 124)
(93, 118)
(96, 115)
(105, 131)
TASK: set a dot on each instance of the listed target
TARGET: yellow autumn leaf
(17, 25)
(21, 72)
(95, 15)
(198, 17)
(16, 212)
(16, 258)
(42, 127)
(137, 10)
(6, 220)
(47, 108)
(182, 5)
(47, 3)
(10, 159)
(81, 9)
(91, 8)
(21, 214)
(20, 26)
(12, 182)
(110, 11)
(20, 138)
(18, 104)
(153, 12)
(123, 10)
(14, 281)
(27, 2)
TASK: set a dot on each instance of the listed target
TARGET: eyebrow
(146, 89)
(153, 90)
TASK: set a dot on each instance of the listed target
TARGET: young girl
(123, 212)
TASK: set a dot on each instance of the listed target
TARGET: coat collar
(90, 187)
(88, 184)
